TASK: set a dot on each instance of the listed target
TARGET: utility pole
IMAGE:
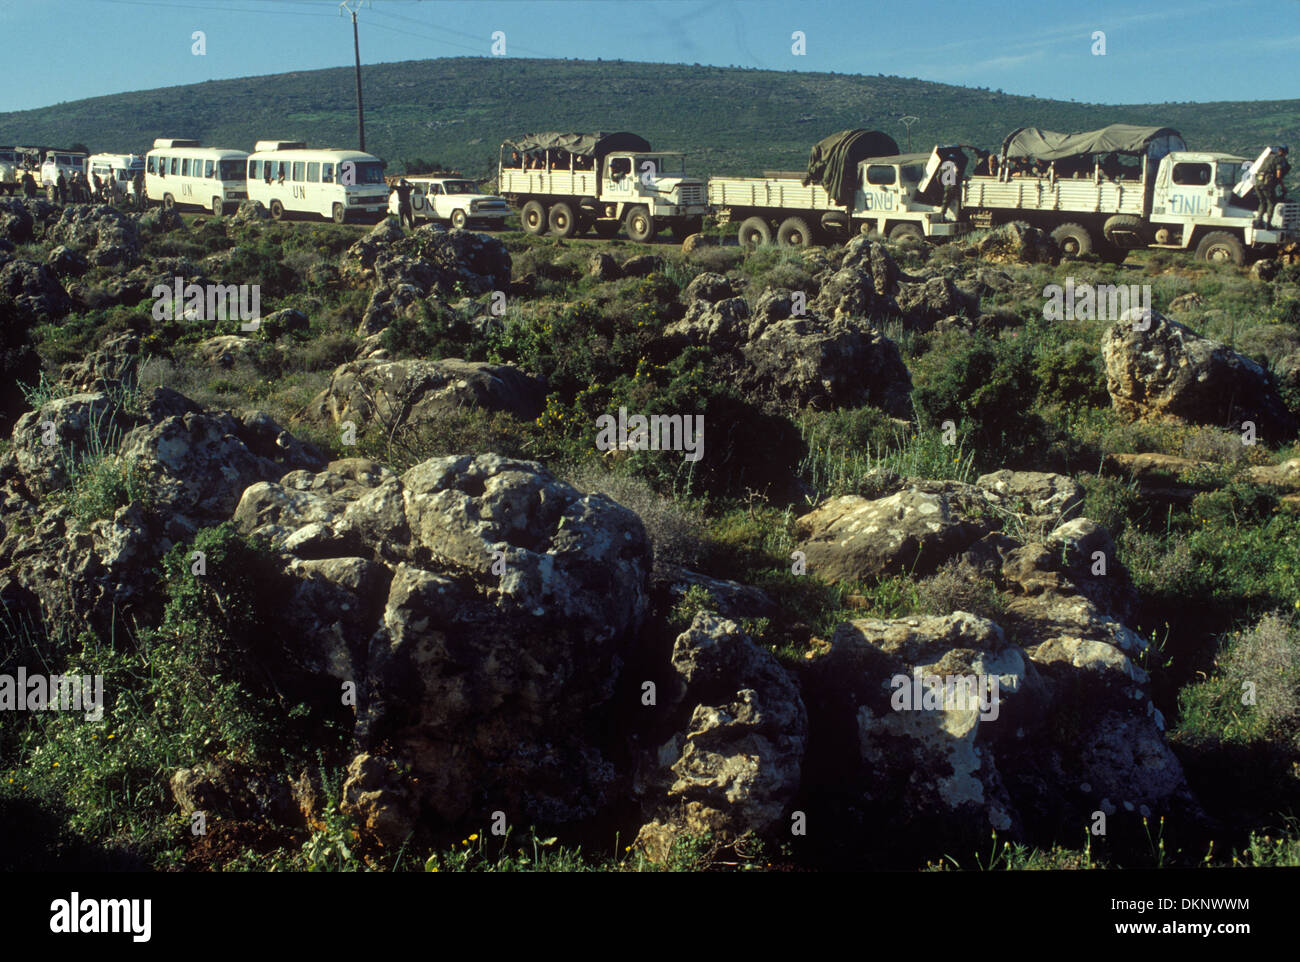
(905, 121)
(356, 49)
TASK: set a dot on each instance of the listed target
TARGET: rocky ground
(365, 592)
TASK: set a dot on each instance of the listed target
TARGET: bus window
(299, 171)
(327, 173)
(313, 172)
(175, 166)
(209, 168)
(185, 166)
(152, 166)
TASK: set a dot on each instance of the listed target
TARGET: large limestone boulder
(1158, 368)
(735, 765)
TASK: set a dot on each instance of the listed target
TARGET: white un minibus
(338, 185)
(181, 173)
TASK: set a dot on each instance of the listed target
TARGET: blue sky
(1158, 51)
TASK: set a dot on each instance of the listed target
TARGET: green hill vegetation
(456, 111)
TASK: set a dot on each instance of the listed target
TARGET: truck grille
(691, 193)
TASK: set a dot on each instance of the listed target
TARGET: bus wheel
(906, 235)
(755, 232)
(1220, 247)
(794, 232)
(169, 202)
(1073, 240)
(218, 208)
(562, 221)
(533, 217)
(277, 210)
(458, 219)
(641, 227)
(339, 212)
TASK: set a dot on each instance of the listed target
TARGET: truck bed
(1067, 194)
(560, 183)
(782, 193)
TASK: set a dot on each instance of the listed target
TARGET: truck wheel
(641, 227)
(794, 232)
(339, 213)
(533, 217)
(1124, 230)
(1073, 240)
(606, 228)
(277, 209)
(458, 219)
(684, 227)
(1220, 247)
(563, 222)
(755, 232)
(169, 202)
(906, 234)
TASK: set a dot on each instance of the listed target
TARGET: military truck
(1080, 189)
(572, 183)
(857, 181)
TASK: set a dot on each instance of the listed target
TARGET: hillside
(730, 120)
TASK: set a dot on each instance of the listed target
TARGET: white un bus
(336, 184)
(181, 173)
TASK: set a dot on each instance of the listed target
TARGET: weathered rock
(1035, 493)
(163, 220)
(736, 766)
(641, 265)
(226, 350)
(730, 599)
(35, 289)
(924, 305)
(67, 263)
(850, 538)
(225, 788)
(708, 287)
(1017, 243)
(110, 238)
(380, 799)
(250, 212)
(17, 225)
(603, 267)
(696, 241)
(415, 391)
(510, 603)
(1157, 368)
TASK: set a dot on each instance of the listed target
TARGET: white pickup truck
(454, 200)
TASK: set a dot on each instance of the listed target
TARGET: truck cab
(65, 162)
(658, 180)
(898, 198)
(1195, 194)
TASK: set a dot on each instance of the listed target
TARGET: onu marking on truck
(1187, 204)
(877, 200)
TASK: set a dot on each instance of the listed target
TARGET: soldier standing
(952, 170)
(139, 189)
(29, 185)
(1268, 185)
(61, 188)
(404, 212)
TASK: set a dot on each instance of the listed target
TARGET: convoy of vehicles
(1102, 192)
(338, 185)
(572, 183)
(185, 173)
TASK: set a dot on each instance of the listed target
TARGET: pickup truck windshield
(459, 187)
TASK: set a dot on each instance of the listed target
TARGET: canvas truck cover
(833, 161)
(595, 144)
(1039, 144)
